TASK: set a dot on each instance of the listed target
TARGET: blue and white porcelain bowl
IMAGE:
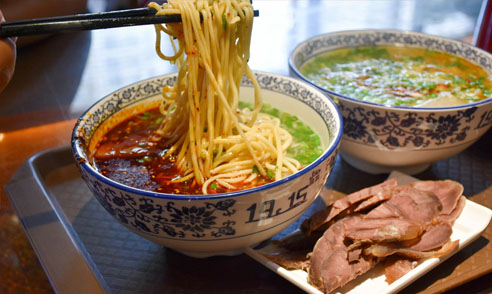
(378, 138)
(221, 224)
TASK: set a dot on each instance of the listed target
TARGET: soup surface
(127, 154)
(400, 76)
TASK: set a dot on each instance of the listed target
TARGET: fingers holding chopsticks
(7, 58)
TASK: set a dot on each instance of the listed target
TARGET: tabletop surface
(58, 78)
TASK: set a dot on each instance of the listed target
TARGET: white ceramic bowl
(378, 138)
(222, 224)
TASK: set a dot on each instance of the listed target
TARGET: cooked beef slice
(323, 217)
(292, 260)
(387, 249)
(433, 238)
(396, 267)
(398, 223)
(451, 217)
(408, 203)
(382, 230)
(447, 191)
(332, 264)
(374, 200)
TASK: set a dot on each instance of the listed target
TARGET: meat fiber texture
(396, 223)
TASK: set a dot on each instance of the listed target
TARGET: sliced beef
(322, 218)
(374, 200)
(451, 217)
(435, 237)
(408, 203)
(354, 254)
(129, 148)
(291, 260)
(396, 267)
(332, 263)
(328, 251)
(387, 249)
(399, 224)
(447, 191)
(382, 230)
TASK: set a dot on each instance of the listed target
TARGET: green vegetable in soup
(306, 146)
(400, 76)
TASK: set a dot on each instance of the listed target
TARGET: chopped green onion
(224, 21)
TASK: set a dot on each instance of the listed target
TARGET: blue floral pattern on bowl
(147, 215)
(220, 222)
(394, 129)
(418, 135)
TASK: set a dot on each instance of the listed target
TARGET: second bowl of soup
(407, 99)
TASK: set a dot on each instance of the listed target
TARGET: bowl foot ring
(375, 169)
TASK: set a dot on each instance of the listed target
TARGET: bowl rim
(331, 148)
(379, 105)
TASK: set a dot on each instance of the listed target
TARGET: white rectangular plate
(470, 224)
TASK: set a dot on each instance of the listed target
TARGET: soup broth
(129, 154)
(400, 76)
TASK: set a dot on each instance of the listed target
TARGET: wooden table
(58, 78)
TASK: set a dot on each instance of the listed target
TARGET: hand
(7, 58)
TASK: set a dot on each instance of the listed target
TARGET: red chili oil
(127, 154)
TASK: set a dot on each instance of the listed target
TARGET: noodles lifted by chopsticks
(212, 141)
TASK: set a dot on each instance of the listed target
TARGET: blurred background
(104, 60)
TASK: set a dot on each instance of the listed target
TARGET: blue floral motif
(193, 219)
(396, 129)
(143, 90)
(403, 128)
(147, 216)
(168, 218)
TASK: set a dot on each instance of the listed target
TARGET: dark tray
(84, 250)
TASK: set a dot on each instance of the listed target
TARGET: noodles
(213, 142)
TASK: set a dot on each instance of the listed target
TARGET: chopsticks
(89, 21)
